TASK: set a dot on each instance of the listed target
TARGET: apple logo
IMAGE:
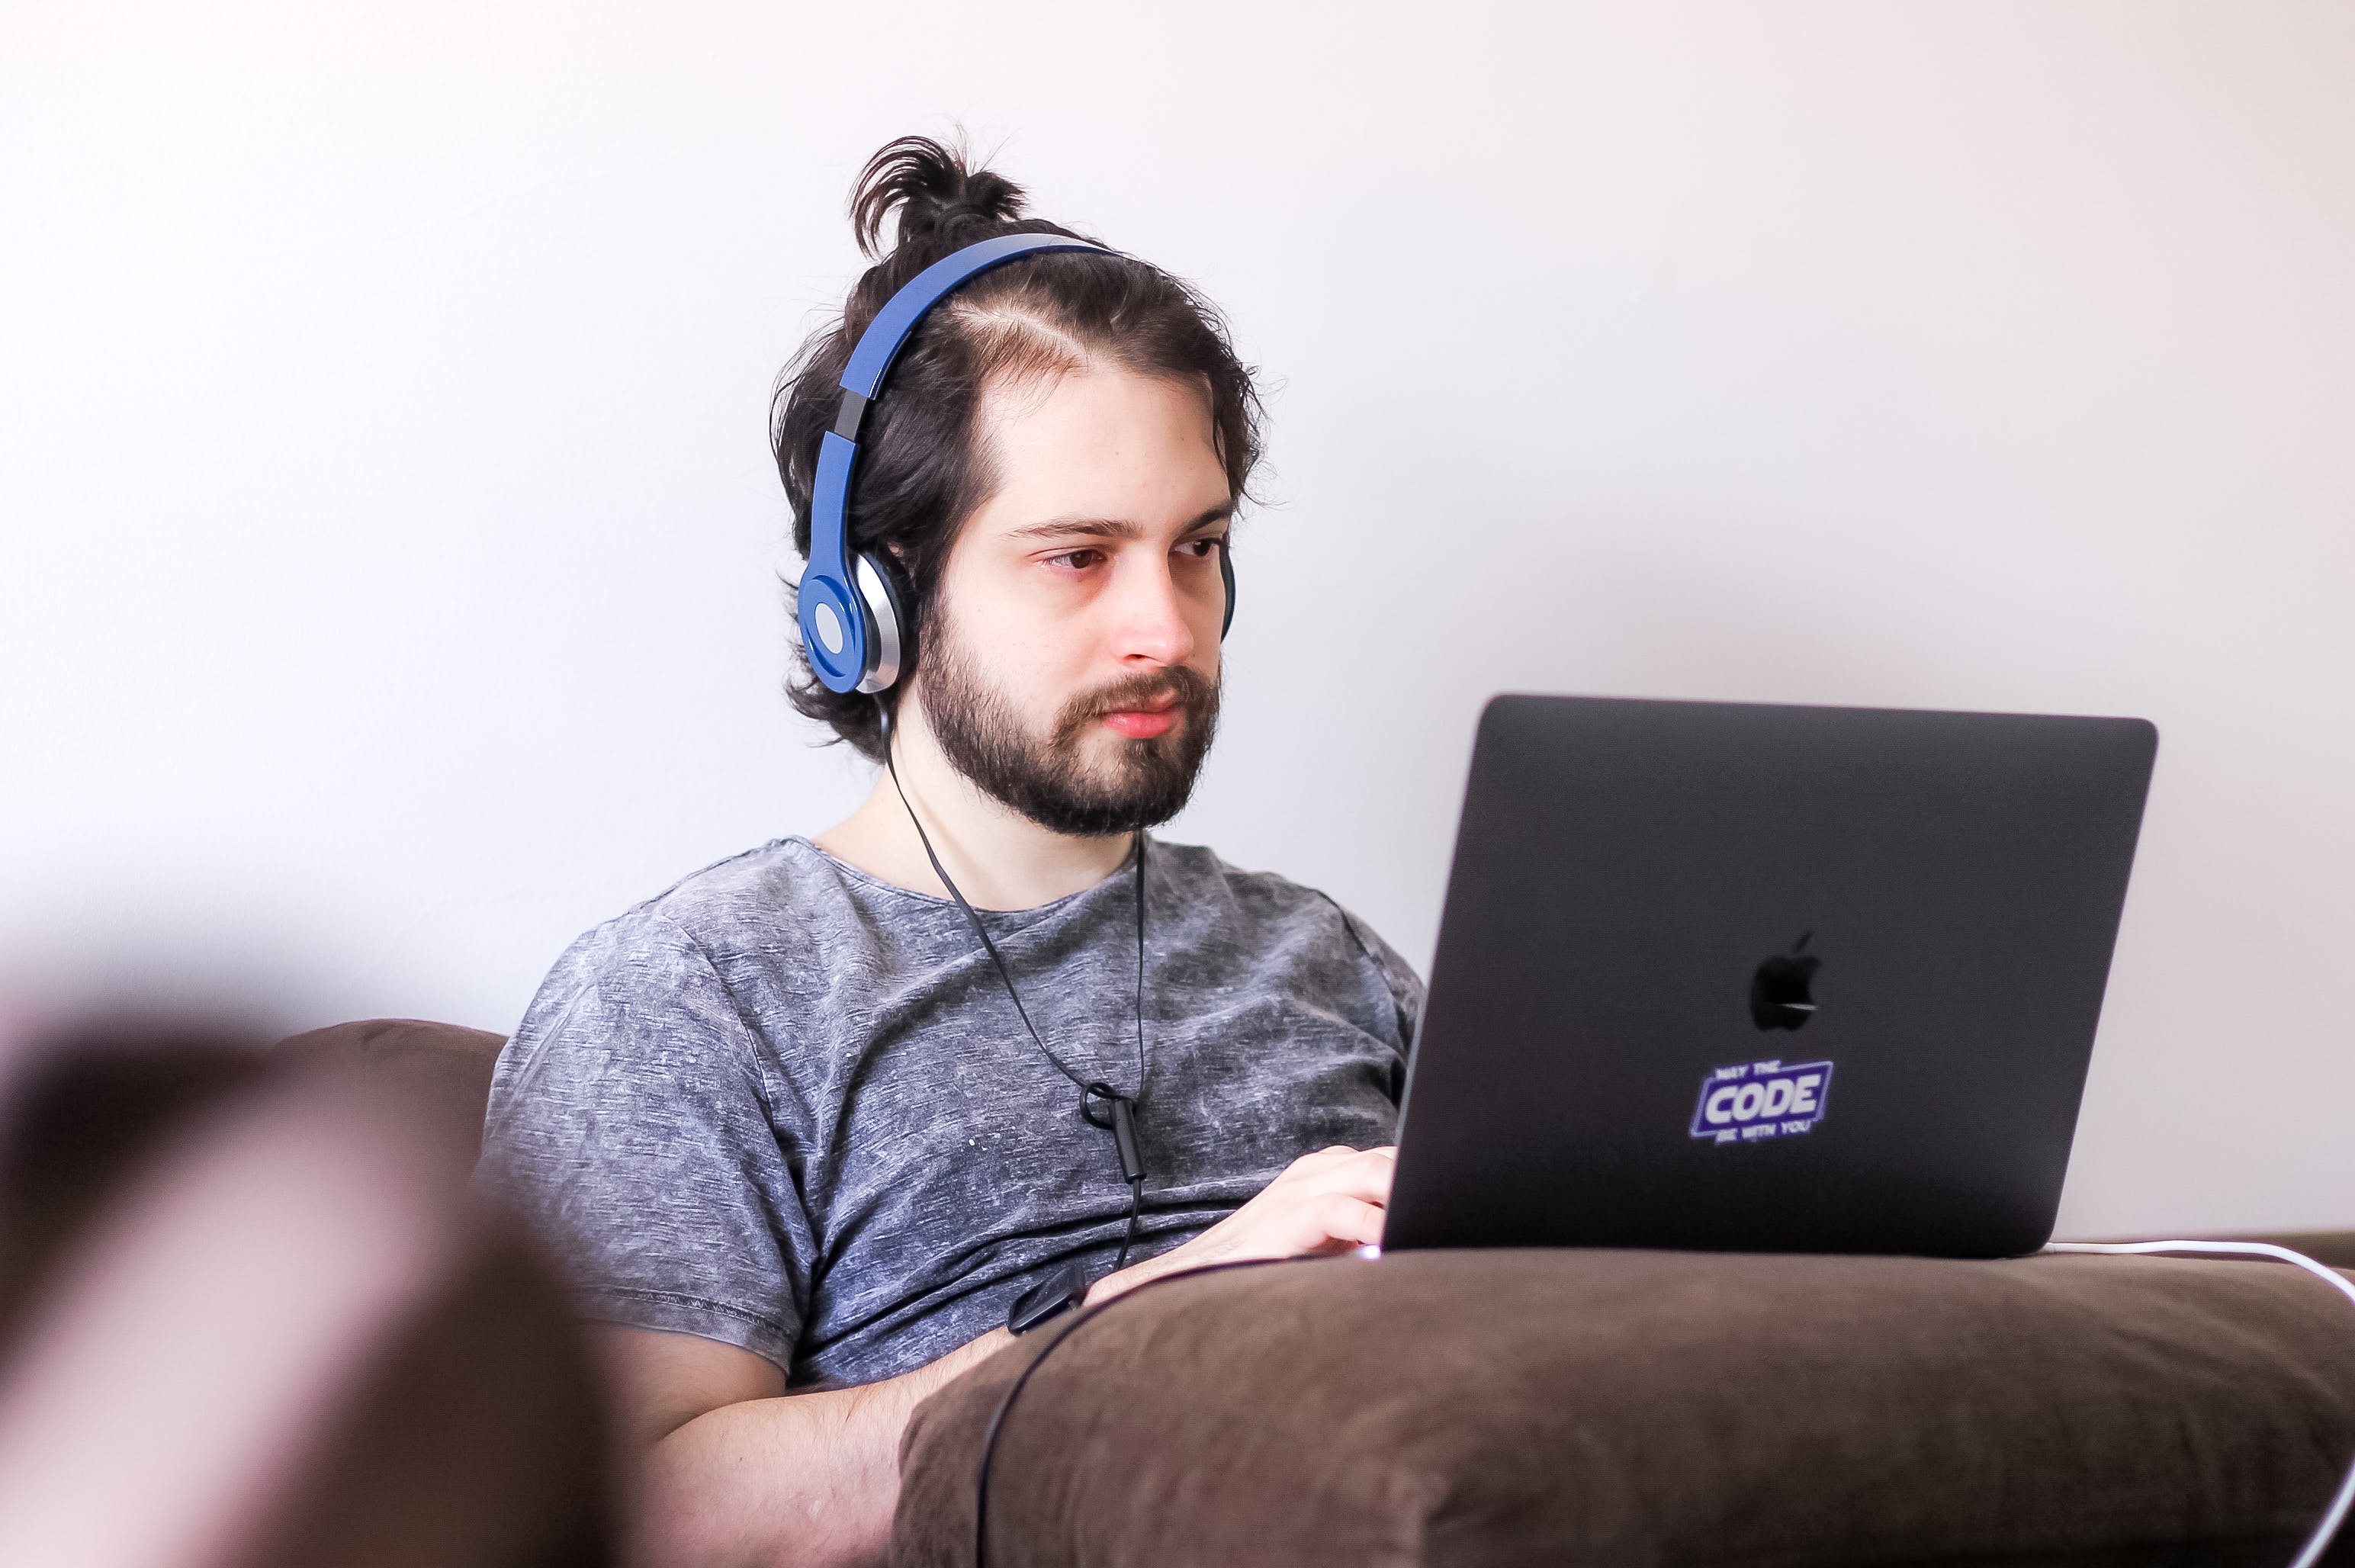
(1778, 992)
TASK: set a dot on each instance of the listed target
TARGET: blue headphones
(854, 624)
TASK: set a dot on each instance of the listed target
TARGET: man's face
(1071, 669)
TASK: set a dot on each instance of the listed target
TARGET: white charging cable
(2320, 1542)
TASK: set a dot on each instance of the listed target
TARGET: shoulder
(1196, 870)
(701, 957)
(1271, 932)
(1264, 908)
(783, 895)
(642, 1006)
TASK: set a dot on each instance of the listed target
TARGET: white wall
(389, 539)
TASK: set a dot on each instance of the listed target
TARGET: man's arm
(731, 1470)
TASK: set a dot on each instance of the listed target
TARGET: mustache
(1188, 690)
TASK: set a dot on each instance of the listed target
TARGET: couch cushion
(441, 1073)
(1659, 1408)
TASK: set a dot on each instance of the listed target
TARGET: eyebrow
(1110, 528)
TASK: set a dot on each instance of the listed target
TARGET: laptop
(1762, 978)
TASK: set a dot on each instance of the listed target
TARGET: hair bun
(933, 190)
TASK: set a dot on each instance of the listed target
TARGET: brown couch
(1637, 1408)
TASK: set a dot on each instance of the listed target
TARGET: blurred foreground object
(250, 1316)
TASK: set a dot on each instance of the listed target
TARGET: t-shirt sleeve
(631, 1122)
(1403, 983)
(1395, 974)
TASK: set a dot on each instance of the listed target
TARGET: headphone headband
(881, 342)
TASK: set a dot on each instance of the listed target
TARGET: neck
(1000, 859)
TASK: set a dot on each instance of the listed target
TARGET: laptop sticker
(1751, 1101)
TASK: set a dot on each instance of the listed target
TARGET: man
(806, 1135)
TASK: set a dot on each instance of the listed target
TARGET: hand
(1325, 1203)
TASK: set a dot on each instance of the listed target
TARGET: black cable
(1121, 1122)
(1140, 963)
(991, 1433)
(972, 918)
(1128, 1232)
(1122, 1113)
(1132, 1162)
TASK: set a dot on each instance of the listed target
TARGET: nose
(1151, 621)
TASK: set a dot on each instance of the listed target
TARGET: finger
(1346, 1221)
(1365, 1176)
(1309, 1165)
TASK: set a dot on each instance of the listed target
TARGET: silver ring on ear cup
(885, 620)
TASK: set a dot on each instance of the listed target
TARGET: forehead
(1104, 443)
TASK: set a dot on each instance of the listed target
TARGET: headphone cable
(1122, 1123)
(1004, 1407)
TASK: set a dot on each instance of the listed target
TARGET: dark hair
(921, 469)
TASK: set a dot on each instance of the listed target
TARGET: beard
(1050, 780)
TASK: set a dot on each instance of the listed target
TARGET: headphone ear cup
(892, 647)
(1227, 575)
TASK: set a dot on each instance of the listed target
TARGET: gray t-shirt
(789, 1107)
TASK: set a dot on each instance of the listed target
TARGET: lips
(1175, 702)
(1143, 723)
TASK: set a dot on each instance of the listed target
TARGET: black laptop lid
(1646, 897)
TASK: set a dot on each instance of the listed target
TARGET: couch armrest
(1659, 1408)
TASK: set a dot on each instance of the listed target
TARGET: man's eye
(1202, 550)
(1077, 560)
